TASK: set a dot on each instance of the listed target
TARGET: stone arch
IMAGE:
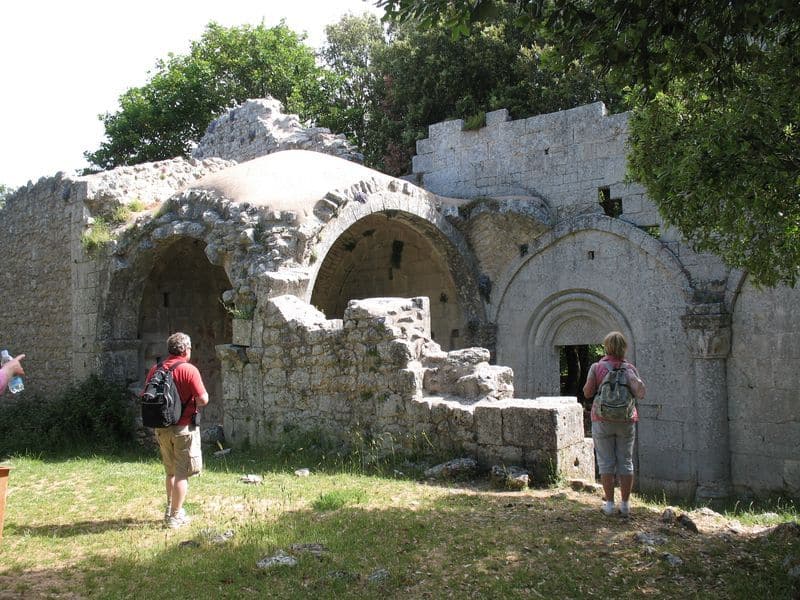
(361, 252)
(733, 287)
(568, 318)
(163, 284)
(632, 234)
(578, 268)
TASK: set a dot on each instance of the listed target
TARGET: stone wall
(377, 373)
(564, 157)
(763, 382)
(560, 161)
(36, 227)
(260, 127)
(56, 286)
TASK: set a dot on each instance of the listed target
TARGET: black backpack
(161, 403)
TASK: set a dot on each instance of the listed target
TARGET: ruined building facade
(440, 310)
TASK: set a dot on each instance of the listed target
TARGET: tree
(186, 92)
(716, 113)
(348, 51)
(424, 76)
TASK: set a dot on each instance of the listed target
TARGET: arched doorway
(383, 255)
(183, 293)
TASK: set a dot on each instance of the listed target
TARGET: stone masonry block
(445, 128)
(791, 476)
(757, 472)
(488, 424)
(496, 116)
(424, 147)
(422, 164)
(543, 423)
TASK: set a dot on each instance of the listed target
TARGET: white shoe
(625, 508)
(608, 507)
(179, 519)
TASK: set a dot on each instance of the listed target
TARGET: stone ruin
(260, 127)
(324, 295)
(377, 371)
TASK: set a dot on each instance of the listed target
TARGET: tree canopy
(714, 134)
(423, 76)
(186, 92)
(349, 49)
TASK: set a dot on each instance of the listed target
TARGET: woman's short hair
(178, 344)
(615, 344)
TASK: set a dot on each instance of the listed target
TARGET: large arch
(400, 246)
(163, 284)
(591, 275)
(381, 255)
(182, 293)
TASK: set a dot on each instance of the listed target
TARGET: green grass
(90, 527)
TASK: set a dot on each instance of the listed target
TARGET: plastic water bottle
(15, 384)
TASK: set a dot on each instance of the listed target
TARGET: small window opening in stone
(391, 274)
(577, 462)
(397, 253)
(443, 297)
(591, 254)
(546, 151)
(166, 299)
(653, 230)
(574, 363)
(612, 207)
(523, 249)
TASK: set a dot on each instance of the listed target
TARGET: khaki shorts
(180, 450)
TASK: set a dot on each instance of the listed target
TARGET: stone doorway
(382, 255)
(183, 293)
(574, 362)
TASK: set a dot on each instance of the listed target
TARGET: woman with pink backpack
(615, 385)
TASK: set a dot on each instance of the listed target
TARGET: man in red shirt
(180, 444)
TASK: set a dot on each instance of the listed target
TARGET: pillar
(708, 329)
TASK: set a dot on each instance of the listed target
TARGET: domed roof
(290, 180)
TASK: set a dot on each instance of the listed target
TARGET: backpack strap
(184, 405)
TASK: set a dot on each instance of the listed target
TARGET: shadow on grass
(78, 528)
(464, 544)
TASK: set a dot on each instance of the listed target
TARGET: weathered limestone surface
(259, 127)
(47, 276)
(378, 371)
(521, 259)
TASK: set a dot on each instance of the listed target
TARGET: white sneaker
(608, 507)
(179, 519)
(625, 508)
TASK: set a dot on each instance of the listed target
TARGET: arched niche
(570, 318)
(389, 254)
(182, 292)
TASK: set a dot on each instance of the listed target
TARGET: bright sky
(63, 63)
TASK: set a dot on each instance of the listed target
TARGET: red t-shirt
(189, 383)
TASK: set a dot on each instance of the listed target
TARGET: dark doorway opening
(182, 293)
(574, 363)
